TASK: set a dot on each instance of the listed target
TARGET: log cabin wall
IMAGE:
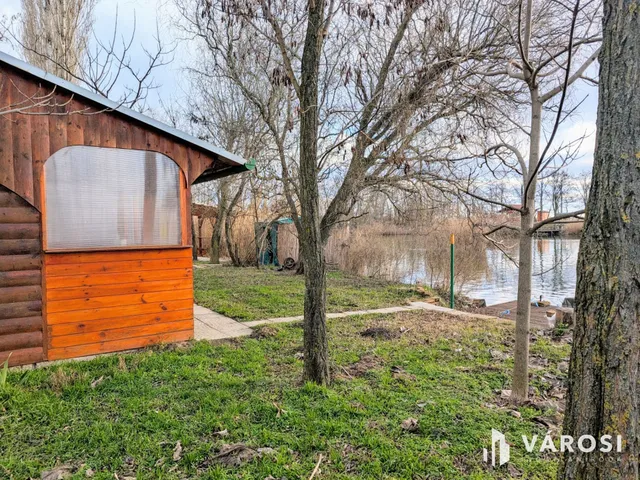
(98, 302)
(20, 280)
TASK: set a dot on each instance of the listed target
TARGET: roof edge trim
(113, 106)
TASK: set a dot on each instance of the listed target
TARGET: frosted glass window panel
(110, 197)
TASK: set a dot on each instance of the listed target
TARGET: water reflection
(491, 276)
(554, 276)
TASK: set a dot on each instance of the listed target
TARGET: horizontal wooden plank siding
(100, 302)
(91, 280)
(117, 289)
(115, 256)
(119, 334)
(21, 326)
(118, 300)
(131, 321)
(116, 267)
(117, 312)
(118, 345)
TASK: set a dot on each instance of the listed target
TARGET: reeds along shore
(412, 252)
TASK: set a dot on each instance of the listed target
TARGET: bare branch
(556, 218)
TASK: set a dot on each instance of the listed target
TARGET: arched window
(109, 197)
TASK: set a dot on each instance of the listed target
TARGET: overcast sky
(148, 12)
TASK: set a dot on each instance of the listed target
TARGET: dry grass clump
(414, 255)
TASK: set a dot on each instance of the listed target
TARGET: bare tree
(218, 112)
(603, 382)
(559, 183)
(548, 40)
(355, 96)
(584, 186)
(57, 36)
(55, 33)
(542, 193)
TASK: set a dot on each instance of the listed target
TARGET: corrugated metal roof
(111, 105)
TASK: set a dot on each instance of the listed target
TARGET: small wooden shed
(95, 221)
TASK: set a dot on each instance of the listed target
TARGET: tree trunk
(316, 350)
(300, 264)
(228, 224)
(603, 374)
(520, 386)
(231, 248)
(218, 228)
(216, 238)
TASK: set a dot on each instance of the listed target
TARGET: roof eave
(225, 172)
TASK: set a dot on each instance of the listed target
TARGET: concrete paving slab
(198, 310)
(209, 325)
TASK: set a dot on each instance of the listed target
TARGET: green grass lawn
(251, 294)
(122, 416)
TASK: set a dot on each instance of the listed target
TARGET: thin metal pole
(453, 248)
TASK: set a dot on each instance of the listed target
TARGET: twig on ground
(346, 372)
(315, 470)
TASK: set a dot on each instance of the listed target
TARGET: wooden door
(20, 280)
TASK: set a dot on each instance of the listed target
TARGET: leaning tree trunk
(316, 349)
(605, 359)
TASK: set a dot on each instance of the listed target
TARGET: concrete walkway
(298, 318)
(210, 325)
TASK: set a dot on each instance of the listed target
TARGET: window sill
(118, 249)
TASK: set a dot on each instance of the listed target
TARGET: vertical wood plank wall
(27, 141)
(20, 281)
(99, 302)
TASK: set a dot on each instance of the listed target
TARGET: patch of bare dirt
(380, 333)
(401, 374)
(264, 332)
(363, 366)
(353, 457)
(418, 327)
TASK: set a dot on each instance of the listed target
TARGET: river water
(554, 265)
(485, 273)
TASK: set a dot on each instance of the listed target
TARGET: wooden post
(453, 248)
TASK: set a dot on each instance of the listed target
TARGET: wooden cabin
(95, 221)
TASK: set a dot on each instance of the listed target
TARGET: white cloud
(573, 132)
